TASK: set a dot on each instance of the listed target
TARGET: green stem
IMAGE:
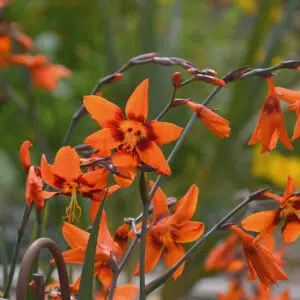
(21, 231)
(120, 268)
(179, 142)
(146, 203)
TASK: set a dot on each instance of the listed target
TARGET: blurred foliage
(94, 38)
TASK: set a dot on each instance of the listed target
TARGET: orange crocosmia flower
(235, 292)
(121, 236)
(218, 125)
(261, 262)
(270, 126)
(167, 232)
(34, 187)
(25, 155)
(266, 222)
(65, 174)
(106, 246)
(292, 97)
(123, 292)
(5, 45)
(133, 138)
(43, 73)
(220, 257)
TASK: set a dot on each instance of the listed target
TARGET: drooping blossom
(34, 184)
(218, 125)
(106, 246)
(66, 176)
(168, 232)
(292, 97)
(270, 126)
(266, 222)
(133, 138)
(44, 74)
(223, 256)
(261, 262)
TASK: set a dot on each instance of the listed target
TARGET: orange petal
(151, 155)
(127, 161)
(67, 164)
(189, 232)
(105, 239)
(296, 133)
(104, 112)
(47, 173)
(126, 292)
(172, 254)
(160, 204)
(137, 105)
(96, 179)
(153, 253)
(75, 256)
(287, 95)
(186, 206)
(105, 275)
(47, 194)
(25, 155)
(291, 229)
(264, 222)
(75, 237)
(104, 140)
(165, 132)
(34, 187)
(289, 189)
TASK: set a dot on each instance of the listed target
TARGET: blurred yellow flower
(275, 167)
(249, 7)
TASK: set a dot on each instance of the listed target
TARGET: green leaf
(86, 282)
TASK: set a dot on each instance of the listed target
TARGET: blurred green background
(95, 38)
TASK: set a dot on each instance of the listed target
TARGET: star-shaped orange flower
(167, 232)
(266, 222)
(106, 246)
(65, 174)
(270, 126)
(133, 138)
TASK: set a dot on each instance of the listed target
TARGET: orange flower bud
(176, 79)
(117, 77)
(210, 79)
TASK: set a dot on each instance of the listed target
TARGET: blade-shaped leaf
(86, 282)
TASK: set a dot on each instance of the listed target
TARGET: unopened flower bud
(176, 79)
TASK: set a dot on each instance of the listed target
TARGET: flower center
(133, 133)
(73, 211)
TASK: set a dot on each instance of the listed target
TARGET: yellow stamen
(73, 211)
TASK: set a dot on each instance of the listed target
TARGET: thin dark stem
(169, 105)
(144, 187)
(21, 231)
(39, 224)
(143, 251)
(179, 142)
(120, 267)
